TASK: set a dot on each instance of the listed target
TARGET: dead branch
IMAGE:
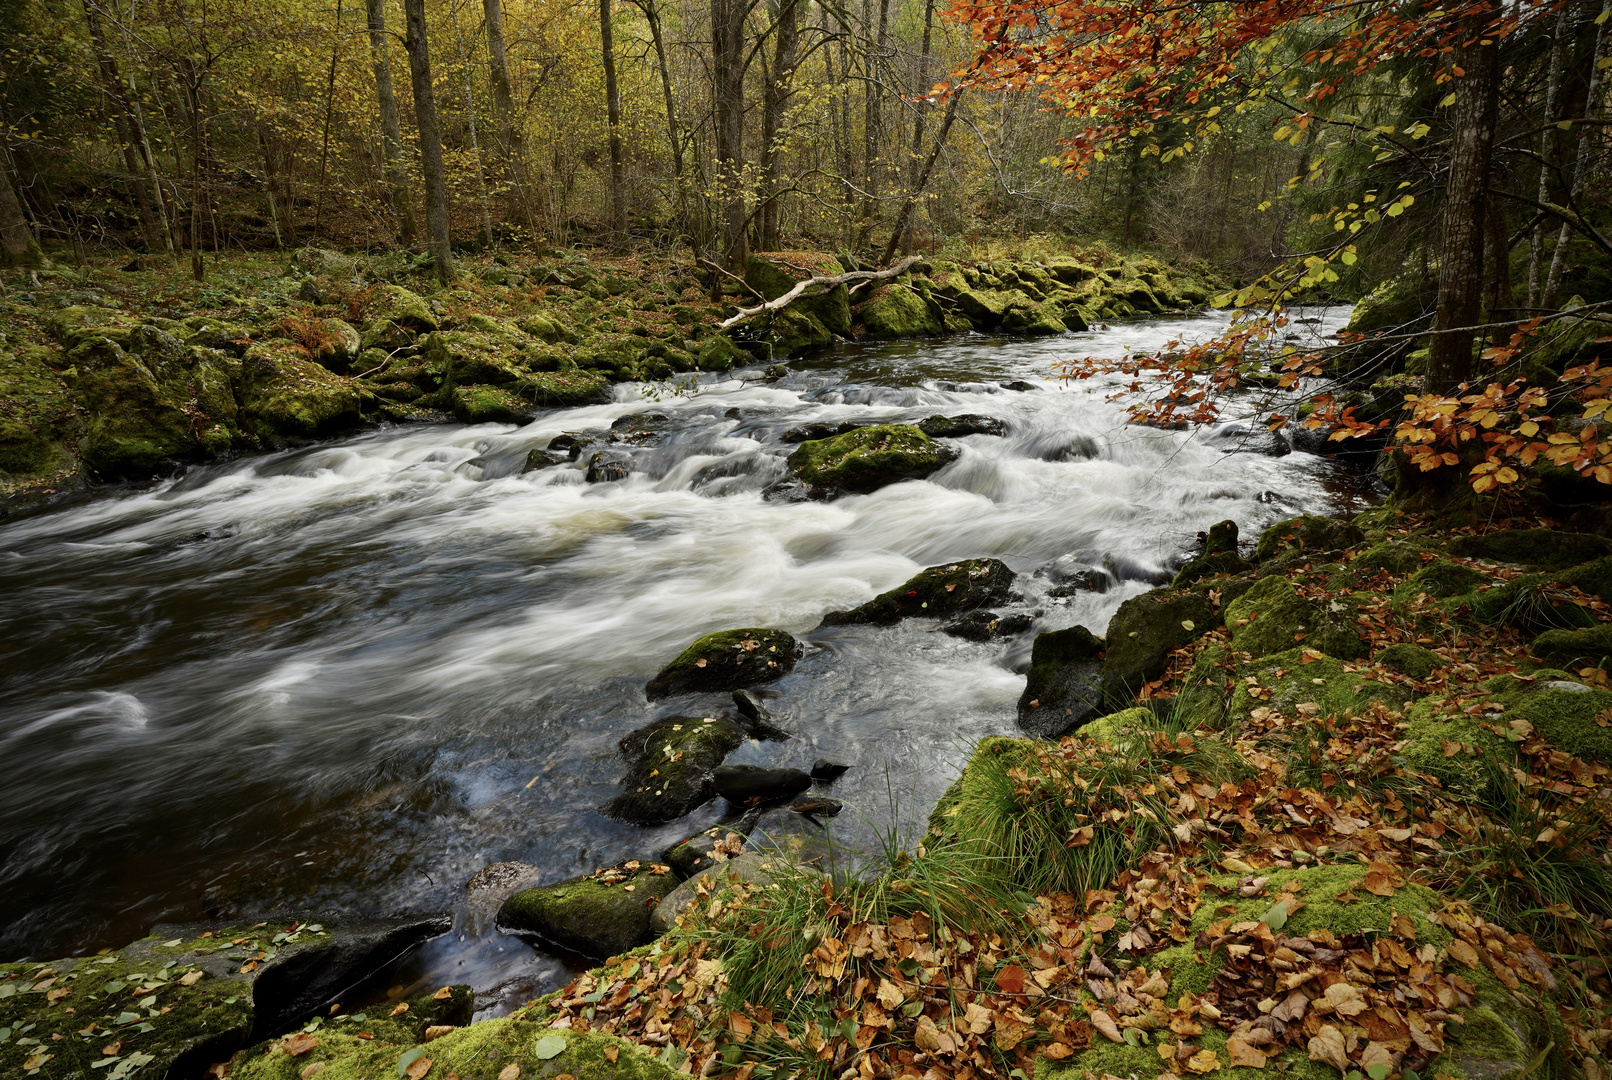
(800, 288)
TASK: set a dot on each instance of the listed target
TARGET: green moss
(38, 416)
(1115, 725)
(936, 592)
(1454, 750)
(1408, 659)
(899, 311)
(286, 395)
(669, 761)
(1594, 578)
(1440, 579)
(487, 405)
(867, 459)
(393, 317)
(1566, 719)
(1306, 534)
(563, 389)
(1547, 548)
(1291, 682)
(1210, 565)
(1271, 616)
(1142, 633)
(719, 353)
(728, 660)
(1033, 317)
(600, 915)
(1062, 690)
(1574, 649)
(1397, 304)
(546, 327)
(477, 1052)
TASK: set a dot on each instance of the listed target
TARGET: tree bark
(17, 244)
(1460, 279)
(511, 144)
(397, 183)
(330, 109)
(727, 61)
(1553, 82)
(425, 118)
(1558, 259)
(919, 182)
(618, 167)
(156, 235)
(779, 89)
(470, 123)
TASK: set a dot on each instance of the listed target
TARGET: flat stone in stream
(1063, 690)
(987, 626)
(212, 996)
(603, 914)
(938, 592)
(753, 785)
(668, 763)
(867, 459)
(727, 660)
(957, 427)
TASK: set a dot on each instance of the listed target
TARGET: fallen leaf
(445, 993)
(1105, 1024)
(512, 1071)
(1241, 1055)
(111, 1049)
(1057, 1051)
(310, 1071)
(1010, 980)
(419, 1068)
(549, 1046)
(1376, 1053)
(611, 1053)
(1204, 1061)
(191, 978)
(399, 1009)
(436, 1031)
(1465, 953)
(1327, 1048)
(299, 1044)
(926, 1035)
(978, 1018)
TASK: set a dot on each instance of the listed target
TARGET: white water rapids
(326, 679)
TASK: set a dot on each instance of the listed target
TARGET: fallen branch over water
(820, 279)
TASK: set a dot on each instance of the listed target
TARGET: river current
(344, 678)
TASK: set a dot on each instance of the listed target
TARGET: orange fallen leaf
(513, 1072)
(443, 995)
(436, 1031)
(299, 1044)
(399, 1009)
(611, 1053)
(418, 1068)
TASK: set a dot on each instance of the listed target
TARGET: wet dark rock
(867, 459)
(1252, 439)
(1071, 448)
(987, 626)
(1122, 568)
(752, 785)
(637, 430)
(207, 536)
(750, 868)
(828, 771)
(1141, 635)
(542, 459)
(604, 468)
(603, 914)
(1221, 538)
(490, 886)
(1063, 688)
(668, 763)
(1219, 556)
(727, 660)
(1090, 579)
(705, 849)
(570, 443)
(937, 592)
(813, 432)
(812, 806)
(757, 718)
(957, 427)
(1019, 385)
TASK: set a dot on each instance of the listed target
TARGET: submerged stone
(937, 592)
(600, 915)
(727, 660)
(867, 459)
(668, 764)
(987, 626)
(1063, 690)
(756, 717)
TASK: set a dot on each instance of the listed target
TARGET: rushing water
(344, 678)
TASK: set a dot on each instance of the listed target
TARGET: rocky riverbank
(1334, 800)
(110, 374)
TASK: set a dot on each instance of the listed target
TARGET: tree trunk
(470, 124)
(779, 89)
(425, 118)
(330, 109)
(727, 61)
(156, 235)
(511, 144)
(920, 181)
(397, 183)
(618, 168)
(17, 244)
(873, 120)
(1558, 259)
(1553, 82)
(1460, 279)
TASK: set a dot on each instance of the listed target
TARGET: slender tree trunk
(1592, 101)
(1460, 281)
(425, 117)
(511, 144)
(17, 244)
(112, 85)
(330, 108)
(779, 89)
(873, 119)
(1553, 81)
(470, 122)
(397, 183)
(618, 168)
(727, 37)
(1500, 300)
(921, 115)
(903, 219)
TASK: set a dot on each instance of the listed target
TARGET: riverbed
(343, 678)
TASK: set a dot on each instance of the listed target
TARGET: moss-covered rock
(1394, 555)
(39, 418)
(897, 310)
(1408, 659)
(1063, 690)
(488, 405)
(719, 353)
(706, 849)
(394, 317)
(1574, 649)
(1272, 617)
(938, 592)
(668, 764)
(958, 427)
(546, 326)
(1210, 565)
(1593, 577)
(753, 868)
(774, 274)
(727, 660)
(286, 395)
(483, 1050)
(1142, 633)
(1306, 534)
(1032, 317)
(867, 459)
(1441, 579)
(1282, 681)
(1399, 304)
(600, 915)
(1546, 548)
(1454, 749)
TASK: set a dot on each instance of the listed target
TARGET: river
(344, 678)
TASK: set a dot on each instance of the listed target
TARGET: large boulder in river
(897, 310)
(1143, 632)
(727, 660)
(867, 459)
(603, 914)
(1064, 689)
(751, 868)
(285, 395)
(938, 592)
(668, 765)
(754, 785)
